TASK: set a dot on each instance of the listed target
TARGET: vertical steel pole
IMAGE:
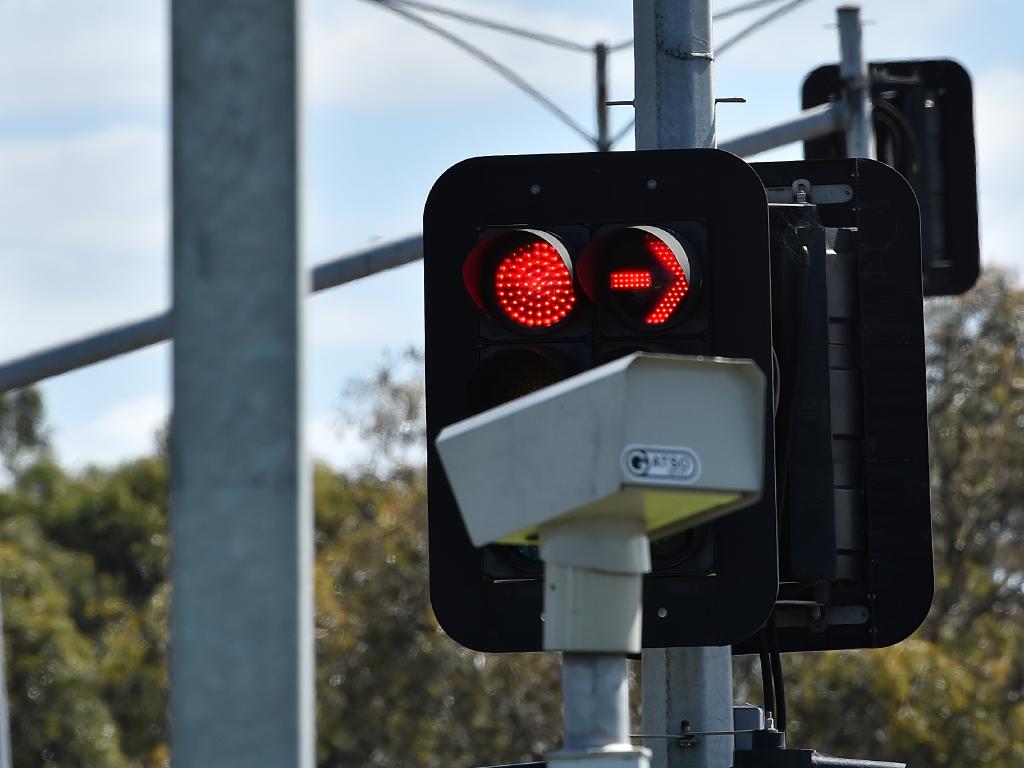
(674, 91)
(241, 522)
(604, 143)
(5, 714)
(595, 692)
(675, 108)
(853, 69)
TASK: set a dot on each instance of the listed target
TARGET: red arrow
(676, 290)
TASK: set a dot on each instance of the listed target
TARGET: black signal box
(851, 427)
(924, 128)
(539, 267)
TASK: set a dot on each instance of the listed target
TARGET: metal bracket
(816, 616)
(802, 191)
(688, 738)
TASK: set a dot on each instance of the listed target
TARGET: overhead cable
(738, 9)
(539, 37)
(720, 16)
(623, 132)
(493, 63)
(762, 22)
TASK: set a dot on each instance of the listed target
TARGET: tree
(419, 698)
(82, 568)
(22, 435)
(83, 562)
(393, 689)
(83, 565)
(951, 695)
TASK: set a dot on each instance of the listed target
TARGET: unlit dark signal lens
(524, 277)
(512, 374)
(644, 273)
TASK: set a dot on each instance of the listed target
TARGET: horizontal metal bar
(810, 124)
(32, 368)
(21, 372)
(366, 262)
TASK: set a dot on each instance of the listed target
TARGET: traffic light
(851, 427)
(924, 128)
(540, 267)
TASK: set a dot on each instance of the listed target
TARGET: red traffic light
(522, 276)
(644, 273)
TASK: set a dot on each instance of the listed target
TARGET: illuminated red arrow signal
(677, 289)
(641, 272)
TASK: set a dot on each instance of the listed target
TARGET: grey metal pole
(674, 92)
(5, 715)
(104, 345)
(674, 97)
(241, 523)
(853, 69)
(595, 694)
(809, 124)
(604, 141)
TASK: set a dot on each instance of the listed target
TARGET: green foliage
(22, 436)
(83, 569)
(85, 639)
(952, 694)
(393, 690)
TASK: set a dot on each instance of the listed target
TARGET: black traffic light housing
(851, 427)
(714, 585)
(924, 128)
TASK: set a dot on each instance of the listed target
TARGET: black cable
(899, 129)
(767, 679)
(763, 21)
(777, 677)
(717, 17)
(623, 132)
(738, 9)
(497, 66)
(538, 37)
(786, 412)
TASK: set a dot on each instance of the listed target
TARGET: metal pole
(79, 353)
(5, 715)
(604, 141)
(675, 108)
(674, 92)
(595, 694)
(241, 523)
(810, 124)
(853, 69)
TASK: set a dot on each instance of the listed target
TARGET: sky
(386, 108)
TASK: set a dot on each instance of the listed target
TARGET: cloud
(128, 430)
(358, 54)
(108, 188)
(998, 117)
(893, 29)
(83, 233)
(330, 440)
(123, 431)
(384, 310)
(65, 55)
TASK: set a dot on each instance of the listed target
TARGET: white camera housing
(591, 467)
